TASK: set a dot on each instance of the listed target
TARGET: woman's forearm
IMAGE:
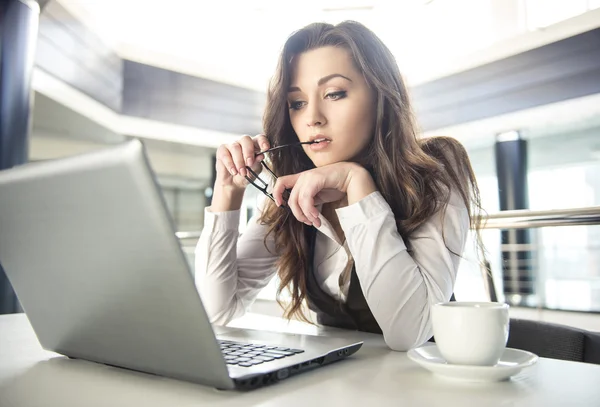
(226, 198)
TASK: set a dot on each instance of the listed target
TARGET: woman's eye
(336, 95)
(296, 105)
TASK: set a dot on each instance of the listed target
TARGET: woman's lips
(320, 144)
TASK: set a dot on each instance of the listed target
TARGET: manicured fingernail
(233, 171)
(249, 162)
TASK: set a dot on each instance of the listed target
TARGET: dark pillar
(208, 192)
(517, 258)
(18, 34)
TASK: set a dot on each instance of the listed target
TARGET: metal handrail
(526, 219)
(518, 219)
(188, 235)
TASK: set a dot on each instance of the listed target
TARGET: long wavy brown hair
(414, 175)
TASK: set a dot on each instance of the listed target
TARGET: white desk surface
(30, 376)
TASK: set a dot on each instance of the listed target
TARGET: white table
(30, 376)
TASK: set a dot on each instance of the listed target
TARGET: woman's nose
(315, 116)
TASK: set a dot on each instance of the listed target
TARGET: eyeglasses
(261, 184)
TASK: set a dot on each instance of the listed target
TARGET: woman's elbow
(402, 344)
(404, 339)
(221, 316)
(219, 310)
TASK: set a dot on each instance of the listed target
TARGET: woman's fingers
(237, 155)
(262, 142)
(248, 149)
(301, 200)
(283, 183)
(286, 183)
(224, 156)
(294, 205)
(306, 202)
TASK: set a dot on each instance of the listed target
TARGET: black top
(354, 314)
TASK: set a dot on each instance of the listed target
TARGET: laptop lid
(90, 249)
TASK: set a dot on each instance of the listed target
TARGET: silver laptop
(91, 251)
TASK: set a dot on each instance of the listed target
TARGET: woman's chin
(322, 163)
(321, 160)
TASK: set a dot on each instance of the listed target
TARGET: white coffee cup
(471, 333)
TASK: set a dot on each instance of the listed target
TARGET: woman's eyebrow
(321, 81)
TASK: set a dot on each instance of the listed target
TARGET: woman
(370, 235)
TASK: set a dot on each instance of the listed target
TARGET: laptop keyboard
(250, 354)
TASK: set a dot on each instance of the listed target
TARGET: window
(568, 256)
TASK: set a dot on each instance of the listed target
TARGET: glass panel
(564, 172)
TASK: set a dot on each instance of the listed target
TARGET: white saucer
(511, 363)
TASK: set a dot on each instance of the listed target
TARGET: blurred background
(516, 81)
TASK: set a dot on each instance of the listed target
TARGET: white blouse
(400, 289)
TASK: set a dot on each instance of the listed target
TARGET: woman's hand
(321, 185)
(233, 158)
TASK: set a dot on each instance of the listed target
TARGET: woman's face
(329, 99)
